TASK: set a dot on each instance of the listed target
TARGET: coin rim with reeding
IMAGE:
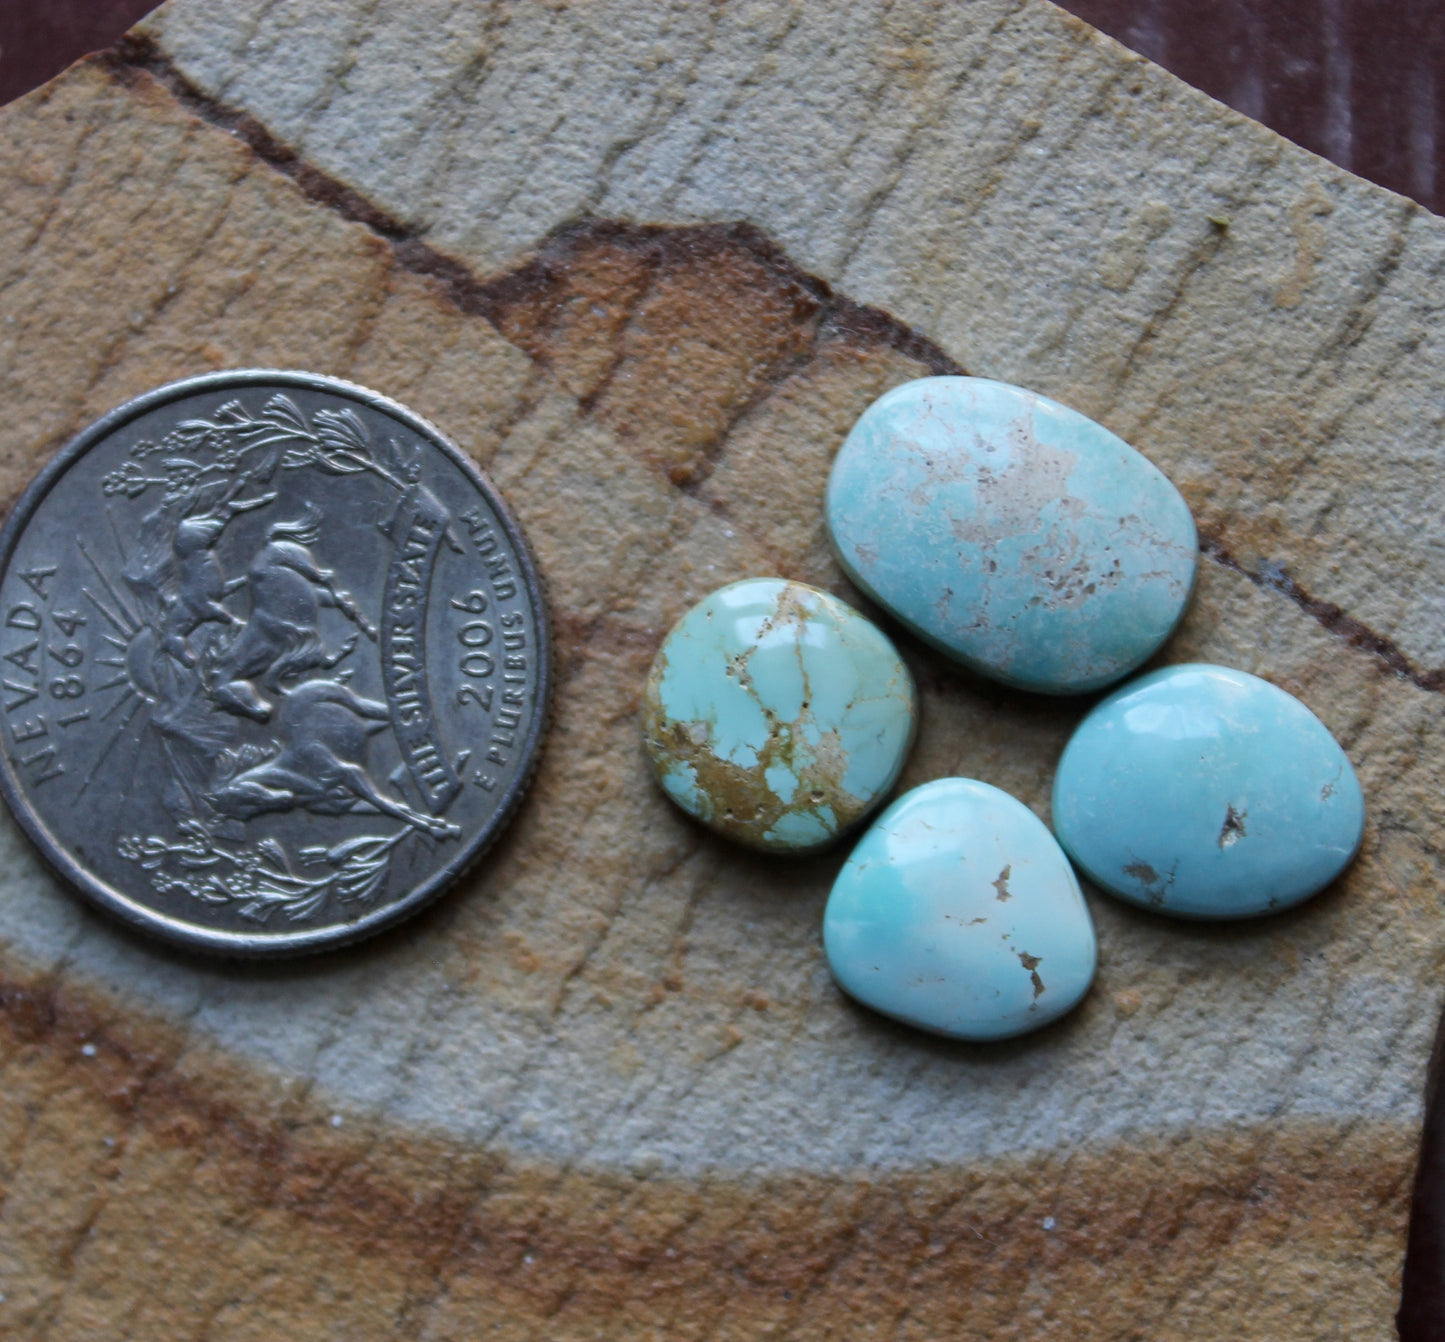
(197, 936)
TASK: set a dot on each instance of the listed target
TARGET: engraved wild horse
(324, 727)
(238, 672)
(281, 637)
(175, 571)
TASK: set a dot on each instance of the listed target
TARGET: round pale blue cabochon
(1209, 793)
(957, 912)
(1017, 535)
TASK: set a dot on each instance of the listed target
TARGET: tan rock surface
(606, 1088)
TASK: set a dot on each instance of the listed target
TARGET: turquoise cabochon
(777, 714)
(1013, 533)
(1207, 792)
(957, 912)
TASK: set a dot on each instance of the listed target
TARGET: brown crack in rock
(1331, 617)
(610, 306)
(611, 311)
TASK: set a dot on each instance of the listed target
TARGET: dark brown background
(1361, 82)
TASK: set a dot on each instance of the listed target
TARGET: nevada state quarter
(273, 662)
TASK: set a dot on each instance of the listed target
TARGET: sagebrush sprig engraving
(257, 879)
(280, 437)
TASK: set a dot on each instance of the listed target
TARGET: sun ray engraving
(115, 736)
(101, 607)
(115, 596)
(115, 531)
(117, 702)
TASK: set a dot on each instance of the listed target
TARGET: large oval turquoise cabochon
(1017, 535)
(957, 912)
(1207, 792)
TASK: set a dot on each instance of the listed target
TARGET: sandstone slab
(647, 262)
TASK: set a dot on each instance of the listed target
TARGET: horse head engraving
(281, 637)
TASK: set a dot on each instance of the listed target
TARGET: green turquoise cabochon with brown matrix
(777, 715)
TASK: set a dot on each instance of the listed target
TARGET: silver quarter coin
(274, 662)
